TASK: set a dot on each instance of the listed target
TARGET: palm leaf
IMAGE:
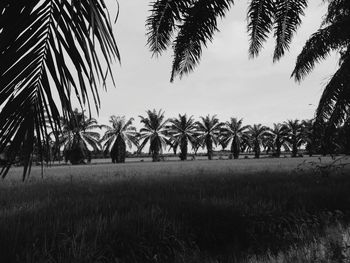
(39, 39)
(161, 24)
(260, 23)
(319, 46)
(287, 19)
(335, 101)
(199, 26)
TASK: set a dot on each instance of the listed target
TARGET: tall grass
(221, 211)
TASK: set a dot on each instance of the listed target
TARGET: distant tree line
(81, 136)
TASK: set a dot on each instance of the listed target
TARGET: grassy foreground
(218, 211)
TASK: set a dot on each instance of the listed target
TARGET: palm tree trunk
(77, 153)
(278, 149)
(155, 156)
(235, 149)
(257, 150)
(294, 150)
(183, 154)
(118, 151)
(209, 144)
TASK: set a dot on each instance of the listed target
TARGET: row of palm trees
(79, 138)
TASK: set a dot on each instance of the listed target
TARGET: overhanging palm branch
(48, 47)
(188, 26)
(260, 23)
(287, 20)
(334, 35)
(193, 21)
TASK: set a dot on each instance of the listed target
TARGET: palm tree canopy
(121, 127)
(208, 128)
(295, 132)
(182, 128)
(49, 47)
(257, 134)
(82, 129)
(154, 130)
(233, 130)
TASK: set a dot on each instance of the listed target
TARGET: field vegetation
(261, 210)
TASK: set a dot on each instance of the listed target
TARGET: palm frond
(319, 46)
(39, 39)
(161, 24)
(199, 26)
(334, 104)
(260, 22)
(287, 20)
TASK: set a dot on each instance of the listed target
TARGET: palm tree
(46, 48)
(279, 134)
(208, 129)
(182, 131)
(309, 136)
(257, 134)
(233, 132)
(154, 132)
(117, 136)
(78, 138)
(295, 135)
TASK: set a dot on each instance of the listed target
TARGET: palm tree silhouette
(295, 135)
(279, 134)
(208, 130)
(257, 135)
(117, 136)
(182, 131)
(153, 132)
(234, 132)
(78, 138)
(47, 48)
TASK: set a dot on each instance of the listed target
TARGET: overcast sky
(226, 83)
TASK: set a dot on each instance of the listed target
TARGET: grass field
(268, 210)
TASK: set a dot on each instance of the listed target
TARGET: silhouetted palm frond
(49, 47)
(319, 46)
(260, 23)
(334, 105)
(193, 22)
(287, 20)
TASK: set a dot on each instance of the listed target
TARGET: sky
(226, 83)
